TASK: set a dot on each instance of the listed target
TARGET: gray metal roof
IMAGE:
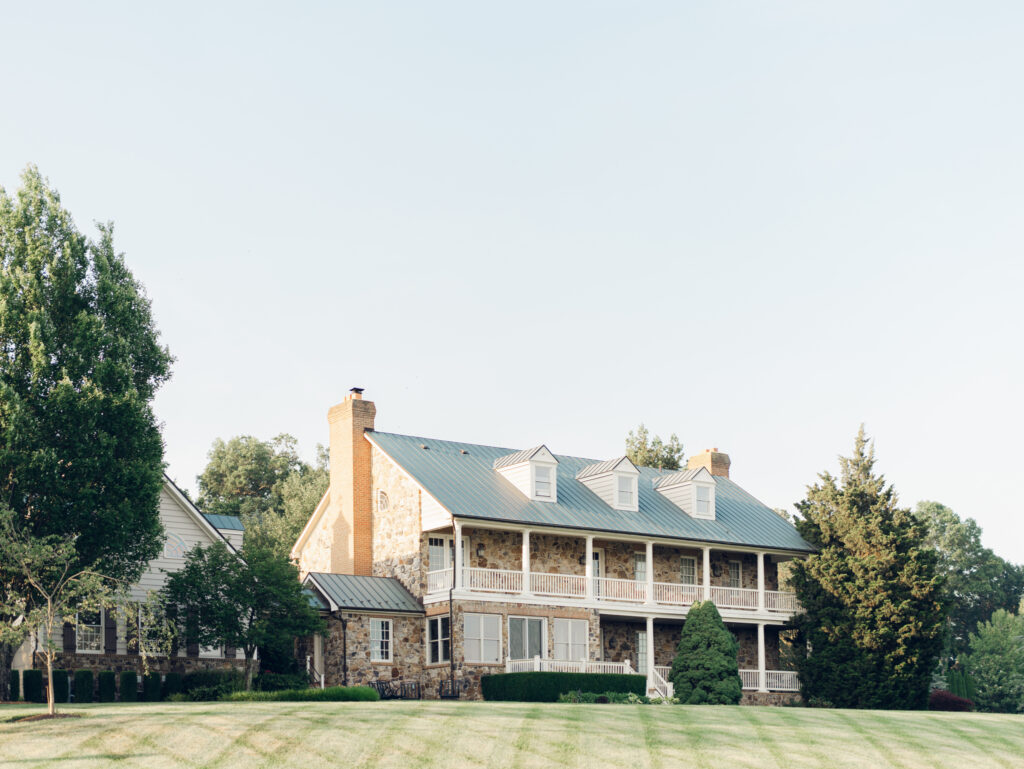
(462, 478)
(600, 468)
(353, 591)
(673, 478)
(516, 457)
(232, 522)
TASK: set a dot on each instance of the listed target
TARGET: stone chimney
(716, 462)
(351, 508)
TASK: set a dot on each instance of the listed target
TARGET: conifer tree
(705, 669)
(871, 632)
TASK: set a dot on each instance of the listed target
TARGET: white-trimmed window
(640, 567)
(482, 637)
(735, 574)
(383, 503)
(625, 491)
(380, 640)
(439, 639)
(542, 483)
(89, 631)
(441, 552)
(641, 651)
(175, 547)
(688, 570)
(703, 501)
(526, 638)
(571, 639)
(211, 651)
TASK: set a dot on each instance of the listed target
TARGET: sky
(755, 225)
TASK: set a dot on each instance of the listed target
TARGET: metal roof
(232, 522)
(353, 591)
(677, 477)
(600, 468)
(462, 478)
(517, 457)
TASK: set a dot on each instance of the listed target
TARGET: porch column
(589, 569)
(526, 560)
(707, 573)
(760, 581)
(650, 571)
(650, 648)
(762, 675)
(458, 555)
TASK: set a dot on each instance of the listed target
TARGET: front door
(598, 569)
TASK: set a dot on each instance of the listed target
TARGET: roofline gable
(195, 513)
(314, 519)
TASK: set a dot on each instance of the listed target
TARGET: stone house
(511, 560)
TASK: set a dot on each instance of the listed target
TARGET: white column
(707, 573)
(762, 675)
(650, 651)
(458, 555)
(589, 571)
(760, 581)
(650, 572)
(526, 560)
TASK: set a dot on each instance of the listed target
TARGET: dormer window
(693, 491)
(615, 481)
(703, 501)
(625, 491)
(542, 481)
(533, 471)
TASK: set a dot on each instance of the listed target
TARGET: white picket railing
(608, 589)
(438, 581)
(492, 580)
(749, 679)
(734, 597)
(657, 686)
(783, 681)
(664, 670)
(560, 585)
(677, 595)
(777, 600)
(543, 665)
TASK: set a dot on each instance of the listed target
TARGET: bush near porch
(545, 687)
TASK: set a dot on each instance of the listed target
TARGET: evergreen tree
(645, 451)
(705, 669)
(872, 628)
(996, 663)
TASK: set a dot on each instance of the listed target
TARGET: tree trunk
(6, 659)
(250, 665)
(51, 707)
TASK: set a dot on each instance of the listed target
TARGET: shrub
(545, 687)
(172, 685)
(32, 684)
(273, 682)
(61, 690)
(206, 693)
(107, 680)
(330, 694)
(996, 663)
(705, 670)
(129, 686)
(151, 687)
(83, 686)
(943, 700)
(15, 686)
(207, 685)
(615, 698)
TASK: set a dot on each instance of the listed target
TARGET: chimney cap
(356, 390)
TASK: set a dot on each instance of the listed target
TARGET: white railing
(608, 589)
(540, 664)
(657, 686)
(561, 585)
(750, 679)
(783, 681)
(492, 580)
(677, 595)
(438, 581)
(776, 600)
(663, 670)
(734, 597)
(312, 672)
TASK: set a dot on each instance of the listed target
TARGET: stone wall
(620, 641)
(747, 654)
(406, 649)
(748, 571)
(774, 699)
(497, 549)
(125, 662)
(398, 545)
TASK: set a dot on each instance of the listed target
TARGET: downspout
(451, 615)
(344, 648)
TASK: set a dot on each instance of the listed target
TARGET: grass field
(464, 734)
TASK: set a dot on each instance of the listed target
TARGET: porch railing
(609, 589)
(749, 679)
(777, 600)
(438, 581)
(663, 670)
(492, 580)
(734, 597)
(677, 595)
(543, 665)
(657, 685)
(775, 680)
(560, 585)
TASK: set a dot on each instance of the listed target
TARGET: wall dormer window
(542, 482)
(533, 471)
(693, 491)
(615, 481)
(703, 500)
(625, 491)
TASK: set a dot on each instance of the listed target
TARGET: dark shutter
(192, 648)
(172, 618)
(131, 622)
(229, 652)
(191, 644)
(110, 631)
(69, 638)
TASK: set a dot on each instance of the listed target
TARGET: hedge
(330, 694)
(83, 686)
(60, 686)
(545, 687)
(107, 686)
(172, 684)
(129, 686)
(940, 699)
(274, 682)
(32, 686)
(15, 686)
(227, 680)
(151, 687)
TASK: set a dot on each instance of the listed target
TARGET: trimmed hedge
(15, 686)
(275, 682)
(129, 686)
(151, 687)
(330, 694)
(60, 686)
(940, 699)
(83, 686)
(172, 684)
(545, 687)
(231, 680)
(107, 685)
(32, 683)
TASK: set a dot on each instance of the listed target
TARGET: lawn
(465, 734)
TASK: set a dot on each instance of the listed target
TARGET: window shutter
(110, 631)
(69, 638)
(229, 652)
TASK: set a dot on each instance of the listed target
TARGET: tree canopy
(705, 669)
(871, 631)
(644, 450)
(996, 663)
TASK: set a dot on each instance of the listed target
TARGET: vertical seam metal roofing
(356, 591)
(461, 476)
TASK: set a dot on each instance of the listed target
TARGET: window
(641, 651)
(542, 481)
(174, 547)
(383, 503)
(525, 638)
(688, 570)
(441, 552)
(735, 574)
(624, 491)
(703, 500)
(439, 639)
(211, 651)
(380, 640)
(89, 631)
(482, 637)
(571, 639)
(640, 567)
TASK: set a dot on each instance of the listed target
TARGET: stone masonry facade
(398, 544)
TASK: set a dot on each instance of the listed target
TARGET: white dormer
(615, 481)
(691, 490)
(533, 471)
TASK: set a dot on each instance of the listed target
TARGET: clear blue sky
(754, 224)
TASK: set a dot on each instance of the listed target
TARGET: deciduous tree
(645, 451)
(996, 663)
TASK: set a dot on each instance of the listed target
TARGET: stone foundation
(774, 699)
(120, 663)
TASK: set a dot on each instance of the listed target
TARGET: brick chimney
(716, 462)
(351, 508)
